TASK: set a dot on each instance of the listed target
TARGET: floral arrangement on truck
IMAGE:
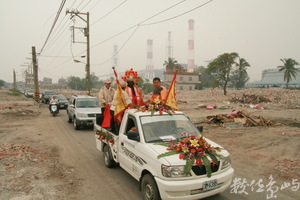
(193, 149)
(105, 136)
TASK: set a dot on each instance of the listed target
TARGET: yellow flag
(171, 97)
(120, 105)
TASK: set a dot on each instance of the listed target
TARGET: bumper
(192, 189)
(85, 121)
(63, 106)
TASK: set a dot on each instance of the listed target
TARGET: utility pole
(87, 35)
(15, 81)
(35, 73)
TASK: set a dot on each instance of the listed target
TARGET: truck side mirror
(200, 128)
(133, 135)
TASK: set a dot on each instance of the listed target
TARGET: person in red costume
(133, 91)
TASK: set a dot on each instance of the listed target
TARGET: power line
(55, 20)
(178, 15)
(109, 12)
(138, 23)
(95, 5)
(86, 5)
(47, 56)
(120, 48)
(57, 36)
(136, 26)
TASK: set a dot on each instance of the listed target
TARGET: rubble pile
(250, 98)
(287, 167)
(242, 117)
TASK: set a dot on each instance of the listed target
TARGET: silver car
(82, 110)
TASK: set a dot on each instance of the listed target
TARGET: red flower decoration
(181, 156)
(198, 162)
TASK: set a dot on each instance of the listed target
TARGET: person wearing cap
(114, 126)
(105, 96)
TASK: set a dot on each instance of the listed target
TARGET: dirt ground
(31, 166)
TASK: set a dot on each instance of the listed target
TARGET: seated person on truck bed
(114, 126)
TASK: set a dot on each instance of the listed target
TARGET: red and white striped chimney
(191, 64)
(149, 74)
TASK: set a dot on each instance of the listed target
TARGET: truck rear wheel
(149, 188)
(108, 158)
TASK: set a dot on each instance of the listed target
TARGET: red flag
(106, 116)
(171, 97)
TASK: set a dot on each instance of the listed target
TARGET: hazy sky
(261, 31)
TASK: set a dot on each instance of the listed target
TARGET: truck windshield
(87, 103)
(161, 128)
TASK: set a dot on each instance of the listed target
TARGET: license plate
(62, 105)
(208, 185)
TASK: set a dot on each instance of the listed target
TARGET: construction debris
(251, 98)
(242, 117)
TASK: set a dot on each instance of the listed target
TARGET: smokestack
(169, 46)
(149, 74)
(191, 64)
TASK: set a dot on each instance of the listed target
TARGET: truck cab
(135, 148)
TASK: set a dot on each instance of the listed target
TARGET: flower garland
(193, 149)
(156, 106)
(105, 136)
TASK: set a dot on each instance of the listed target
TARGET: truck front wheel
(149, 188)
(108, 158)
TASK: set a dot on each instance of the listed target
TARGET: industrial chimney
(191, 64)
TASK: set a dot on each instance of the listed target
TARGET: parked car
(82, 110)
(29, 93)
(46, 95)
(63, 102)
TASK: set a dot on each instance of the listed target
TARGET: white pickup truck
(136, 150)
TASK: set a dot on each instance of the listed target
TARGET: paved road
(79, 151)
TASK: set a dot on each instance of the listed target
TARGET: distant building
(275, 78)
(184, 80)
(47, 80)
(62, 81)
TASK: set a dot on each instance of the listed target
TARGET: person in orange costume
(133, 91)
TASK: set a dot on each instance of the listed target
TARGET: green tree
(76, 83)
(289, 69)
(221, 68)
(145, 86)
(2, 83)
(240, 75)
(206, 78)
(171, 62)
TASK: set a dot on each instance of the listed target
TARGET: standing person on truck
(114, 125)
(133, 91)
(159, 91)
(105, 96)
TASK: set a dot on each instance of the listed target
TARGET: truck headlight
(173, 171)
(83, 115)
(226, 162)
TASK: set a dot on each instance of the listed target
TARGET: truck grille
(91, 115)
(200, 170)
